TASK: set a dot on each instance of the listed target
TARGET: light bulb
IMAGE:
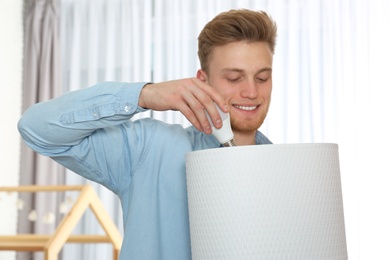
(224, 134)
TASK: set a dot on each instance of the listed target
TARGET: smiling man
(241, 72)
(90, 132)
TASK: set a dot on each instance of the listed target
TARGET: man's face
(242, 73)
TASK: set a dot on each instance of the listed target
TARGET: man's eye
(262, 79)
(233, 79)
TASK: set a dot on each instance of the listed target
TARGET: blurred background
(330, 75)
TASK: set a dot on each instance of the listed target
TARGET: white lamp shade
(266, 202)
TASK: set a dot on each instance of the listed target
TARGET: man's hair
(233, 26)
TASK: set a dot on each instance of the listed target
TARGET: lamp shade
(266, 202)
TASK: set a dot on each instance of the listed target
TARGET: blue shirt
(89, 132)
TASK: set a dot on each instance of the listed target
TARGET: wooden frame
(52, 244)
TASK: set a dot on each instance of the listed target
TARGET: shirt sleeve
(87, 131)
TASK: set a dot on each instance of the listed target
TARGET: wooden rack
(52, 244)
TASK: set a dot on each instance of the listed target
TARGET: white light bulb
(224, 134)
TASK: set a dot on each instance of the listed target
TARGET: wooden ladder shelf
(52, 244)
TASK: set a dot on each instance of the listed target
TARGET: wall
(11, 55)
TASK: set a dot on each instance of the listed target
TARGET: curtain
(329, 77)
(41, 81)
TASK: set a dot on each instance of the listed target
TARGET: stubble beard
(248, 126)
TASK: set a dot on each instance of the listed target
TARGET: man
(143, 162)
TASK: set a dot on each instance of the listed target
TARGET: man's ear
(201, 75)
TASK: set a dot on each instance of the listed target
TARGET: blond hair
(233, 26)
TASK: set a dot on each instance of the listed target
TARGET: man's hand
(190, 96)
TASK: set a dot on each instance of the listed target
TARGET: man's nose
(249, 90)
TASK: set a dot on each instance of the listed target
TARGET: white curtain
(330, 85)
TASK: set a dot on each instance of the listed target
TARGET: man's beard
(247, 126)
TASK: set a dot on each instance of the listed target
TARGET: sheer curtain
(41, 82)
(330, 85)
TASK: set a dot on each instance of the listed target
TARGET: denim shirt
(143, 161)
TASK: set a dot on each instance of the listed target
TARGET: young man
(143, 162)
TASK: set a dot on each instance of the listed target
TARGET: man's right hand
(190, 96)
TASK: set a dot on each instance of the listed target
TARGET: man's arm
(106, 104)
(53, 126)
(89, 132)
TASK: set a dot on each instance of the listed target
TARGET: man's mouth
(247, 108)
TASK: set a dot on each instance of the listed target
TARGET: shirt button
(95, 115)
(127, 108)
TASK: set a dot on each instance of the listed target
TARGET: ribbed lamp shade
(266, 202)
